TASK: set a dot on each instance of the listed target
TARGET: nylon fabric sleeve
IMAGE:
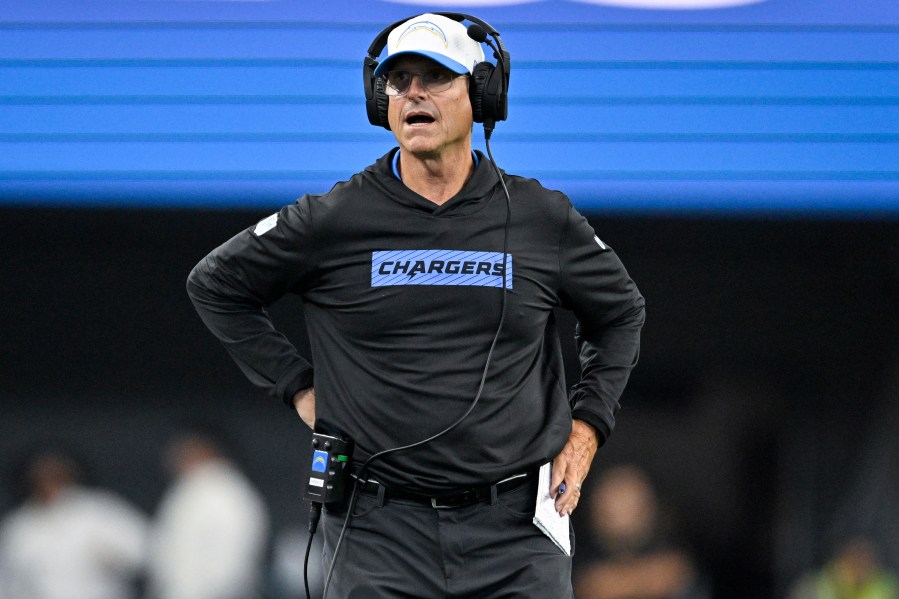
(610, 313)
(231, 287)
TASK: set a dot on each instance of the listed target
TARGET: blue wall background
(780, 107)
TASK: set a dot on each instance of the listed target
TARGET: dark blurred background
(764, 406)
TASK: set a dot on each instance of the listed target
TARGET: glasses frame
(394, 92)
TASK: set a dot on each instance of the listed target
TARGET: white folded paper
(546, 517)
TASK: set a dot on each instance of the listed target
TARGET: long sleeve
(610, 313)
(231, 287)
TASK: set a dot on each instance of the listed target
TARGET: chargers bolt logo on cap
(424, 26)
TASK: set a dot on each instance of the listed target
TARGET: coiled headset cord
(360, 476)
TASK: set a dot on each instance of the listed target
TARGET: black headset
(488, 89)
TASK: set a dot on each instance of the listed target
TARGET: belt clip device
(329, 469)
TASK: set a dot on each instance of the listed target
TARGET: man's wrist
(585, 429)
(301, 380)
(600, 428)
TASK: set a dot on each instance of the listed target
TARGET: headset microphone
(477, 33)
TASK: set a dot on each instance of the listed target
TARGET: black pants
(489, 550)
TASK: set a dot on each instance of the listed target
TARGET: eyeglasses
(433, 80)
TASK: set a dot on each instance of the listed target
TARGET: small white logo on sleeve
(266, 224)
(599, 242)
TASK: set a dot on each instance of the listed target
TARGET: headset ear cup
(368, 83)
(375, 97)
(381, 101)
(477, 91)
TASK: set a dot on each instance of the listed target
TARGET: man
(69, 541)
(636, 553)
(211, 532)
(398, 269)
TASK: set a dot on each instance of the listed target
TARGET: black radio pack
(329, 469)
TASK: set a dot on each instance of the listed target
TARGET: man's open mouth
(419, 119)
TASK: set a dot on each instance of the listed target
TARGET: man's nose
(416, 87)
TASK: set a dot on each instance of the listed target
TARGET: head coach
(429, 281)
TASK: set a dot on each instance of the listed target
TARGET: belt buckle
(467, 497)
(436, 506)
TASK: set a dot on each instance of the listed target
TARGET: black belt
(451, 500)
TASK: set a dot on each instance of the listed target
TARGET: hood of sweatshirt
(477, 192)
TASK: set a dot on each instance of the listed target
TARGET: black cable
(315, 512)
(360, 475)
(343, 529)
(306, 567)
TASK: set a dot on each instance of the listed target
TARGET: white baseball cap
(436, 37)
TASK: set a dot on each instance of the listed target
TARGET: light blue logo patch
(320, 461)
(440, 267)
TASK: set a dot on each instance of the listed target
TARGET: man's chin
(420, 146)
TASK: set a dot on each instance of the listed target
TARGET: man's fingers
(558, 475)
(567, 501)
(567, 492)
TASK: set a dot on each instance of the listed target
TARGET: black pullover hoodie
(402, 299)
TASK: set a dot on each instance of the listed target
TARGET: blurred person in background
(211, 532)
(855, 572)
(631, 554)
(68, 541)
